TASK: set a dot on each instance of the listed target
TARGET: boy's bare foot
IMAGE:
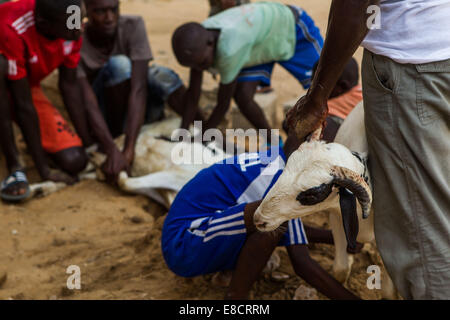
(59, 176)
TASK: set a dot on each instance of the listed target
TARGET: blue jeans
(161, 81)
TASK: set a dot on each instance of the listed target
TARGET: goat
(153, 173)
(321, 177)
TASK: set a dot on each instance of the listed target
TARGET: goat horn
(355, 183)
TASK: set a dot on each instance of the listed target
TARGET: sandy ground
(115, 238)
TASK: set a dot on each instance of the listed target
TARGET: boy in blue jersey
(209, 227)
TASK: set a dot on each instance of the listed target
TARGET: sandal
(13, 179)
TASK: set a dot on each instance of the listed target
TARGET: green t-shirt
(250, 35)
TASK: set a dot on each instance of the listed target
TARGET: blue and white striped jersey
(208, 213)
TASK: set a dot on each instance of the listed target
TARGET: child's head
(348, 79)
(194, 46)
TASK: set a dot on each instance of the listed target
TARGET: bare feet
(59, 176)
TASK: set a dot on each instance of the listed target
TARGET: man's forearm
(135, 117)
(192, 98)
(347, 28)
(73, 102)
(190, 109)
(224, 97)
(95, 117)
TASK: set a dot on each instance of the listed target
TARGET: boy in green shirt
(242, 45)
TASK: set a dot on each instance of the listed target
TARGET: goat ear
(315, 195)
(349, 214)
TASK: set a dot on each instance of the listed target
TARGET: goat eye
(315, 195)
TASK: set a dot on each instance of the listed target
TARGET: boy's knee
(118, 70)
(72, 160)
(163, 80)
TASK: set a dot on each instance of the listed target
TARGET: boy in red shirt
(35, 39)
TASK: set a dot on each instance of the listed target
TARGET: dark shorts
(213, 242)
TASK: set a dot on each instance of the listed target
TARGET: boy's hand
(306, 116)
(114, 164)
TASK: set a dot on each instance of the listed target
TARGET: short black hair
(55, 9)
(188, 40)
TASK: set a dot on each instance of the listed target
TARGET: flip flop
(13, 179)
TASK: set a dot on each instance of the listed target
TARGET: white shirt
(412, 31)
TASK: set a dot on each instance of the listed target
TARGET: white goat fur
(154, 174)
(309, 167)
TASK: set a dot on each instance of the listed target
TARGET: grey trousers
(407, 117)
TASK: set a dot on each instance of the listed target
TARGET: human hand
(306, 116)
(114, 164)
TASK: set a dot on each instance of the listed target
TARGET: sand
(115, 238)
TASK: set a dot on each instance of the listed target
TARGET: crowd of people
(110, 87)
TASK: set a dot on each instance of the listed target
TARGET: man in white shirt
(406, 86)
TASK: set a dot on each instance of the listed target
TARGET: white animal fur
(310, 167)
(154, 174)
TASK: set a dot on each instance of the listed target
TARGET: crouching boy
(209, 227)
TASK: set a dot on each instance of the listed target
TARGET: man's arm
(29, 124)
(136, 107)
(192, 98)
(71, 94)
(116, 162)
(253, 256)
(347, 27)
(226, 92)
(310, 271)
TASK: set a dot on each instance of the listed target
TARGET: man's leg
(245, 99)
(407, 112)
(6, 132)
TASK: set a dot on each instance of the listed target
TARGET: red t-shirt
(29, 53)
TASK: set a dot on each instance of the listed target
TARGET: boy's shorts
(307, 53)
(56, 134)
(213, 243)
